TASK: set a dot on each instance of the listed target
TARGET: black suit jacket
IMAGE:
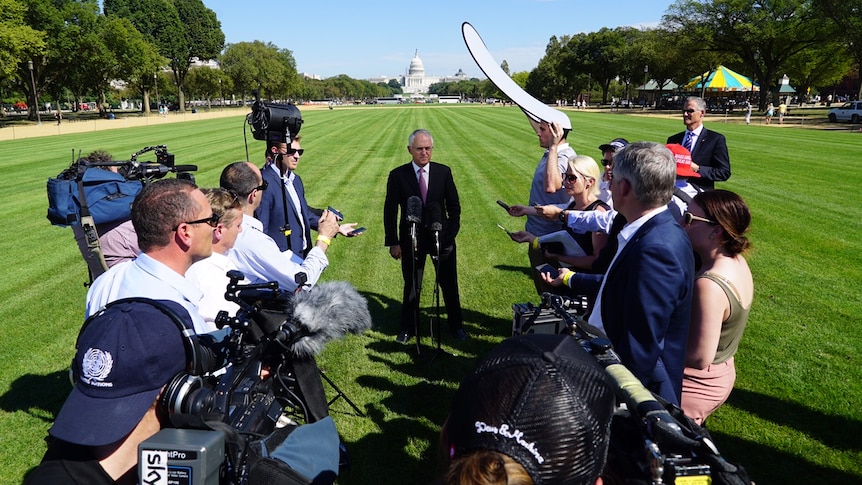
(401, 185)
(710, 153)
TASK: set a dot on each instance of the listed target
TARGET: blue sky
(368, 38)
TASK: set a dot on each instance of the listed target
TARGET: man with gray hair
(708, 149)
(644, 301)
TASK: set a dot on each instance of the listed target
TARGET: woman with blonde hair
(581, 182)
(716, 222)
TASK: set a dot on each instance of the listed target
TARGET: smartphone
(503, 205)
(503, 228)
(356, 232)
(337, 213)
(547, 268)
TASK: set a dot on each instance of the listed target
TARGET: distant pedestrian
(58, 116)
(770, 112)
(748, 108)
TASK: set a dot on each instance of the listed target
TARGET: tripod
(340, 394)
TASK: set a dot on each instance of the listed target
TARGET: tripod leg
(340, 394)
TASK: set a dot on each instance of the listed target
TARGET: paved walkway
(51, 128)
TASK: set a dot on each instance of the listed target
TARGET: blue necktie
(687, 141)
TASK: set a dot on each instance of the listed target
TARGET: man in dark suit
(644, 302)
(441, 210)
(708, 148)
(283, 210)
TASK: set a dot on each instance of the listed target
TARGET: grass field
(794, 417)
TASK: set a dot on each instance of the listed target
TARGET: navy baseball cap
(615, 145)
(540, 399)
(125, 355)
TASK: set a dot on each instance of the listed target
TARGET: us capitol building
(415, 82)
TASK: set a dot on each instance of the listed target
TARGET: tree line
(72, 50)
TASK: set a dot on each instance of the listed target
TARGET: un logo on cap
(96, 366)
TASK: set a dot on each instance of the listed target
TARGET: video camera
(273, 122)
(264, 379)
(652, 441)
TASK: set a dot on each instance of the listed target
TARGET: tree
(762, 34)
(255, 66)
(18, 41)
(183, 30)
(847, 16)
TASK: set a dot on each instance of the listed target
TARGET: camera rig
(132, 169)
(262, 379)
(652, 441)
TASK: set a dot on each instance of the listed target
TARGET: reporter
(716, 222)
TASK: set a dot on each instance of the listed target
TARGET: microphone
(414, 209)
(327, 312)
(414, 216)
(435, 215)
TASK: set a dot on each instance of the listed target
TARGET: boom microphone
(327, 312)
(414, 209)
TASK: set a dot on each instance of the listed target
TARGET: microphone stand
(416, 291)
(436, 259)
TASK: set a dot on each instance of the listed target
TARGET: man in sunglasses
(608, 150)
(174, 224)
(283, 209)
(709, 155)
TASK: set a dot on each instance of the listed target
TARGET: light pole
(35, 96)
(646, 73)
(221, 91)
(156, 84)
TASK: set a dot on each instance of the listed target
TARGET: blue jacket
(271, 213)
(646, 304)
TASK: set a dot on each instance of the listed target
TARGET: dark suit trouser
(448, 275)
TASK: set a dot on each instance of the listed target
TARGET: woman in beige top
(716, 222)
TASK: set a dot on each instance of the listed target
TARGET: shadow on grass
(767, 465)
(41, 396)
(836, 432)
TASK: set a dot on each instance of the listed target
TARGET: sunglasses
(688, 217)
(211, 221)
(295, 151)
(264, 184)
(688, 111)
(569, 177)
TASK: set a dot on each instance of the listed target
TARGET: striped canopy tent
(721, 79)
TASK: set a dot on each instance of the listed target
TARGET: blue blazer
(646, 304)
(272, 208)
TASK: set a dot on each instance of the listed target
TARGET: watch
(563, 217)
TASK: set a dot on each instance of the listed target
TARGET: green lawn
(794, 417)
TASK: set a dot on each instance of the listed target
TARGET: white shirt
(257, 256)
(210, 275)
(145, 277)
(624, 237)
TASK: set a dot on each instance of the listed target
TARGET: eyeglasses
(688, 111)
(264, 184)
(295, 151)
(569, 177)
(423, 149)
(688, 217)
(211, 221)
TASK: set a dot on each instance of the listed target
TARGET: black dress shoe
(403, 337)
(459, 334)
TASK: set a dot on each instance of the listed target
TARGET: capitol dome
(416, 66)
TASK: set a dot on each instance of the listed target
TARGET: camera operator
(255, 253)
(117, 240)
(124, 360)
(174, 224)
